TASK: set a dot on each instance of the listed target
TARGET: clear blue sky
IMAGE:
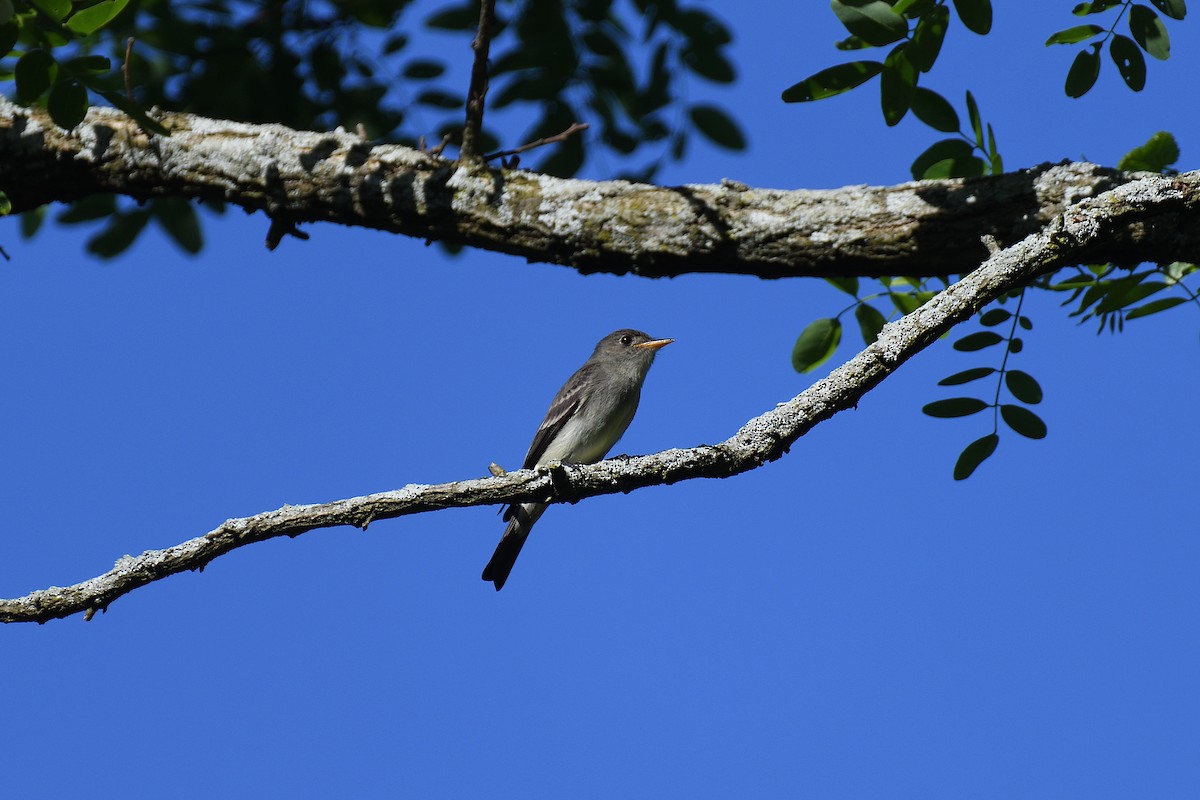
(847, 622)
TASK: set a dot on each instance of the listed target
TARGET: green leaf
(976, 120)
(708, 63)
(178, 218)
(5, 205)
(913, 8)
(934, 110)
(89, 20)
(1075, 35)
(896, 85)
(93, 207)
(1084, 9)
(1130, 63)
(1149, 31)
(928, 37)
(1154, 306)
(68, 103)
(55, 9)
(9, 32)
(847, 283)
(1015, 345)
(948, 158)
(422, 70)
(717, 126)
(1023, 421)
(977, 341)
(1159, 152)
(873, 21)
(1175, 9)
(34, 73)
(975, 14)
(119, 234)
(994, 158)
(1084, 71)
(966, 376)
(870, 322)
(31, 221)
(954, 407)
(816, 344)
(459, 18)
(1023, 387)
(84, 64)
(1025, 322)
(832, 81)
(973, 455)
(994, 317)
(905, 303)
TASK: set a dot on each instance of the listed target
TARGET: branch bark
(920, 229)
(1083, 228)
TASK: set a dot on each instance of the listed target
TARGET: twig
(479, 81)
(575, 128)
(280, 228)
(125, 67)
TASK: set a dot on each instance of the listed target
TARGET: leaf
(1025, 322)
(973, 455)
(34, 73)
(905, 303)
(1023, 386)
(1023, 421)
(927, 39)
(1084, 71)
(1175, 9)
(896, 85)
(9, 32)
(975, 14)
(873, 21)
(945, 159)
(847, 283)
(977, 341)
(1128, 295)
(81, 64)
(994, 317)
(816, 344)
(93, 207)
(934, 110)
(1074, 35)
(118, 235)
(1015, 345)
(1095, 8)
(832, 81)
(954, 407)
(966, 376)
(31, 221)
(5, 205)
(717, 126)
(997, 163)
(1159, 152)
(870, 322)
(68, 103)
(1149, 31)
(89, 20)
(178, 218)
(459, 18)
(1130, 63)
(1154, 306)
(976, 120)
(439, 99)
(55, 9)
(421, 70)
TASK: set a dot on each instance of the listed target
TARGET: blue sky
(846, 622)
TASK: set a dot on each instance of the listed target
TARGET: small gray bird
(586, 418)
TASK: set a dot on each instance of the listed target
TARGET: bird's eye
(627, 339)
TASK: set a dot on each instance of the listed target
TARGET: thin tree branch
(576, 127)
(1080, 229)
(477, 92)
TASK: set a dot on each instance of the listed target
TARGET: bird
(588, 415)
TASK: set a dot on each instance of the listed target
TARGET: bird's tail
(520, 521)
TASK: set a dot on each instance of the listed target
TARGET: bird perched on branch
(586, 418)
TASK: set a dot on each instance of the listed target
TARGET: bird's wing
(561, 410)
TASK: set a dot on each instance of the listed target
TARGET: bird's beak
(654, 344)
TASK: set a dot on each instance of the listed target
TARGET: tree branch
(1083, 228)
(920, 229)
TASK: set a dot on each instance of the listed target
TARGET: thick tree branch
(921, 229)
(1084, 228)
